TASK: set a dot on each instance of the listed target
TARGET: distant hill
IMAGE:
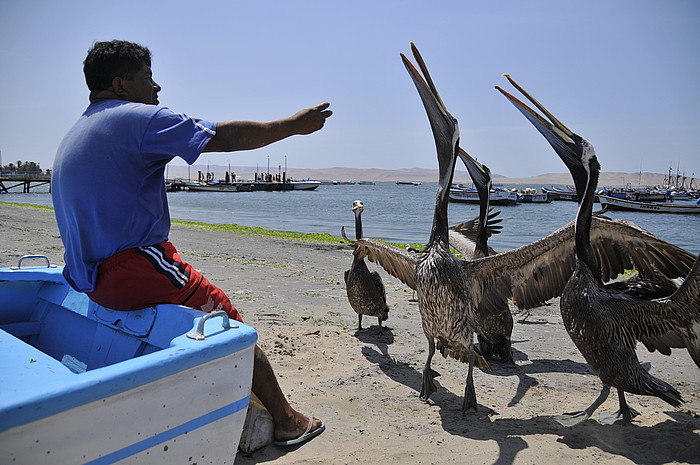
(416, 174)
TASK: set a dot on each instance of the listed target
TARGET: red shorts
(155, 274)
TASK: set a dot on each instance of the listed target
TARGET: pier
(28, 181)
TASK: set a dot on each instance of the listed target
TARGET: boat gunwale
(63, 391)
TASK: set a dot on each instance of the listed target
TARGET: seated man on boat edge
(111, 207)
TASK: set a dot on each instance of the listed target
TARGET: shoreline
(607, 178)
(365, 386)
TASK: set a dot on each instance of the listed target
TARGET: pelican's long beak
(561, 138)
(480, 174)
(443, 124)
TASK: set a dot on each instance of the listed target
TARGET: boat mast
(640, 174)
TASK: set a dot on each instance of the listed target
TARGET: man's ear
(118, 87)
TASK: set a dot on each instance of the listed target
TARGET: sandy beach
(365, 386)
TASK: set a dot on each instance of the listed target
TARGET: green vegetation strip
(235, 228)
(315, 238)
(27, 205)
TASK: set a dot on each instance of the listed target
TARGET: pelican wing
(617, 243)
(663, 324)
(398, 263)
(463, 235)
(540, 270)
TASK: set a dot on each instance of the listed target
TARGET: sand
(365, 386)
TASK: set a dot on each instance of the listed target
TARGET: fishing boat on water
(85, 384)
(409, 183)
(497, 196)
(636, 194)
(613, 203)
(558, 193)
(246, 186)
(530, 195)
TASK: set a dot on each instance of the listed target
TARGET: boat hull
(613, 203)
(251, 186)
(535, 198)
(502, 198)
(89, 385)
(164, 422)
(558, 194)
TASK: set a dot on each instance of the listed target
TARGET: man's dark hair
(116, 58)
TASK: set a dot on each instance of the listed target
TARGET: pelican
(440, 279)
(494, 322)
(450, 290)
(365, 289)
(605, 322)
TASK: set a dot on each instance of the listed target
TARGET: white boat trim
(614, 203)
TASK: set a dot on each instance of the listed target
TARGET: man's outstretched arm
(246, 135)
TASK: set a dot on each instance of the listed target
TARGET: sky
(620, 73)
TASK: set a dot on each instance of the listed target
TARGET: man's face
(142, 88)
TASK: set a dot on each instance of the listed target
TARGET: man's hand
(311, 119)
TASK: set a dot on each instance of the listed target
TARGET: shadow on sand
(629, 441)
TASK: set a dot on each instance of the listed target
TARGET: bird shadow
(620, 440)
(394, 369)
(380, 336)
(533, 367)
(673, 440)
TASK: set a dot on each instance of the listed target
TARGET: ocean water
(396, 213)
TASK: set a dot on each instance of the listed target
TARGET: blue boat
(530, 195)
(84, 384)
(557, 193)
(497, 196)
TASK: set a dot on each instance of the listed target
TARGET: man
(111, 207)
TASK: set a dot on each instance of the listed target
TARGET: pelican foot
(618, 418)
(571, 419)
(469, 402)
(428, 386)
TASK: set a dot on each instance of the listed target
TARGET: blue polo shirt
(108, 185)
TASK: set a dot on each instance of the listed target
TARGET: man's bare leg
(289, 423)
